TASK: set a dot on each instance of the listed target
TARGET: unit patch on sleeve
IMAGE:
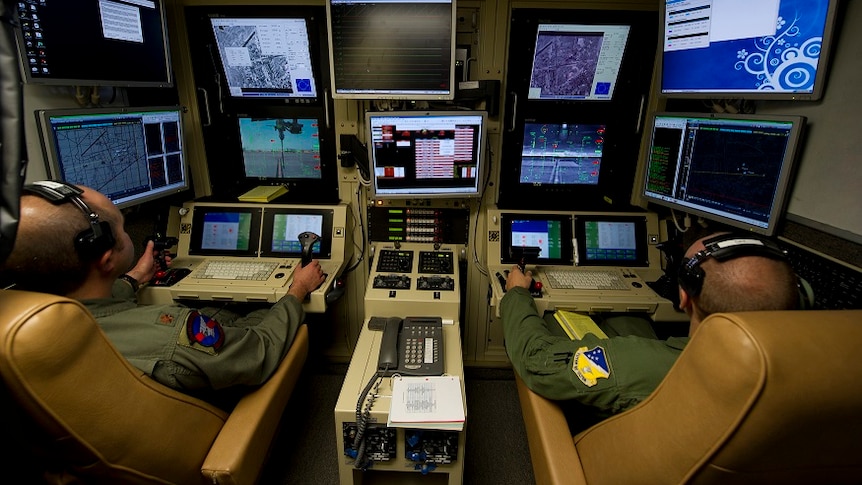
(202, 333)
(590, 365)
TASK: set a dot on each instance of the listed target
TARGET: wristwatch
(128, 279)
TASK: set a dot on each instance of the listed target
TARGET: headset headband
(89, 243)
(722, 248)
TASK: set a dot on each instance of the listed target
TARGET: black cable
(363, 417)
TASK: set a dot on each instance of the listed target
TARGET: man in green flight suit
(626, 367)
(188, 349)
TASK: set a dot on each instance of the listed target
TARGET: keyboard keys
(585, 280)
(236, 270)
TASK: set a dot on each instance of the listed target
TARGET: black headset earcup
(690, 276)
(91, 245)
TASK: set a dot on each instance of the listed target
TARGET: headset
(90, 243)
(729, 246)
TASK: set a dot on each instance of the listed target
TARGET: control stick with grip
(307, 240)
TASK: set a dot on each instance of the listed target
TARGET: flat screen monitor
(416, 154)
(577, 62)
(764, 49)
(611, 240)
(132, 155)
(733, 169)
(280, 148)
(225, 231)
(282, 227)
(94, 42)
(383, 49)
(267, 57)
(561, 153)
(550, 233)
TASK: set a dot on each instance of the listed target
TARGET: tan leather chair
(101, 420)
(760, 397)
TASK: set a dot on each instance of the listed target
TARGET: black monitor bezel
(566, 246)
(325, 241)
(642, 246)
(196, 236)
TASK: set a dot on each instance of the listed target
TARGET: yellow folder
(263, 193)
(576, 325)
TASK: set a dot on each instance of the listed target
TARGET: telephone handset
(413, 346)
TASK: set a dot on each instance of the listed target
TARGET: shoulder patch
(590, 365)
(203, 330)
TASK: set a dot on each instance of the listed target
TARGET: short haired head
(59, 236)
(735, 273)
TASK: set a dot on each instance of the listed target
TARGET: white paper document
(427, 402)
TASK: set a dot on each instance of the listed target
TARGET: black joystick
(307, 239)
(160, 245)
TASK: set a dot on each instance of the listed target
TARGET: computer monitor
(94, 43)
(577, 62)
(561, 153)
(383, 49)
(225, 231)
(611, 240)
(266, 57)
(764, 49)
(426, 154)
(278, 148)
(550, 233)
(733, 169)
(282, 227)
(132, 155)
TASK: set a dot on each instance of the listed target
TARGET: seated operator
(632, 366)
(186, 349)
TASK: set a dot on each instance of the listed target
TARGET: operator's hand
(306, 280)
(147, 266)
(516, 278)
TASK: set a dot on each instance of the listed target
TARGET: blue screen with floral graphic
(756, 48)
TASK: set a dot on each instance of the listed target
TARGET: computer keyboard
(585, 280)
(836, 286)
(236, 270)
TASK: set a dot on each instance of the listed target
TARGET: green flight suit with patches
(611, 375)
(156, 340)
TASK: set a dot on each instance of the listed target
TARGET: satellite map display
(265, 57)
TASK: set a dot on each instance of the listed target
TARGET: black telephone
(412, 346)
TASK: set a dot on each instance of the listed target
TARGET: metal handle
(640, 114)
(206, 106)
(514, 110)
(326, 107)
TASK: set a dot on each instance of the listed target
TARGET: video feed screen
(278, 148)
(562, 153)
(577, 62)
(265, 57)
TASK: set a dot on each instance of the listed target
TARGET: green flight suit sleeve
(609, 374)
(253, 348)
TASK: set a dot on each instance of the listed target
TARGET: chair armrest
(239, 450)
(552, 448)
